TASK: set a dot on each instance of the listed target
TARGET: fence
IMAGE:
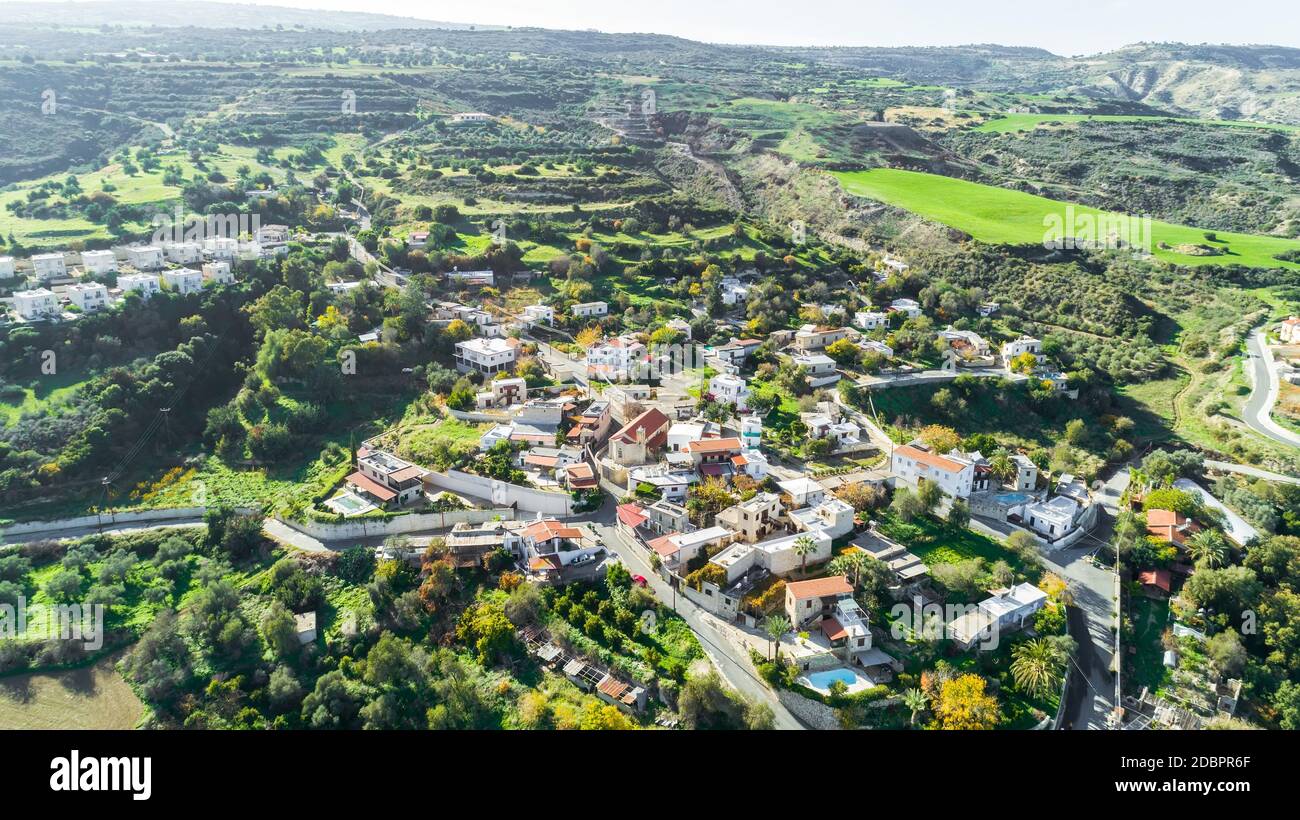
(502, 493)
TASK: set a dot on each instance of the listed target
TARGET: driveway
(1265, 388)
(1236, 526)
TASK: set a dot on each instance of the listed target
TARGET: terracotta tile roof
(653, 420)
(664, 545)
(541, 461)
(632, 515)
(1155, 577)
(580, 470)
(550, 528)
(833, 630)
(819, 587)
(713, 445)
(739, 460)
(1170, 526)
(366, 483)
(930, 459)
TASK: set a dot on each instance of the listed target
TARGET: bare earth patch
(92, 698)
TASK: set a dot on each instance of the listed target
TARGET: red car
(640, 579)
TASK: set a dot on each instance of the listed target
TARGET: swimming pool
(1012, 499)
(823, 680)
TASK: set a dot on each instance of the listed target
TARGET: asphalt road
(730, 660)
(1264, 393)
(1092, 690)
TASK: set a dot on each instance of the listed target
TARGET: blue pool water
(824, 679)
(1012, 499)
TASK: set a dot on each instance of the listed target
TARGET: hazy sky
(1063, 26)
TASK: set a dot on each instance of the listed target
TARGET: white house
(820, 368)
(733, 291)
(539, 314)
(1005, 609)
(909, 306)
(1021, 346)
(34, 304)
(466, 117)
(779, 556)
(803, 491)
(218, 272)
(1054, 518)
(585, 309)
(148, 257)
(144, 284)
(1288, 331)
(751, 433)
(618, 359)
(832, 516)
(184, 280)
(6, 267)
(48, 266)
(221, 247)
(870, 319)
(89, 296)
(913, 465)
(97, 262)
(484, 355)
(183, 253)
(729, 389)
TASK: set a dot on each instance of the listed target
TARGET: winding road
(1265, 387)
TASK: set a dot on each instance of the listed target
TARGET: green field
(1008, 123)
(998, 215)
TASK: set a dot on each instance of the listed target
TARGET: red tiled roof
(653, 420)
(739, 460)
(550, 528)
(580, 472)
(664, 545)
(541, 461)
(1156, 578)
(930, 459)
(632, 515)
(819, 587)
(367, 484)
(832, 629)
(713, 445)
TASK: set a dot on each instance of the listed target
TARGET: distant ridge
(207, 14)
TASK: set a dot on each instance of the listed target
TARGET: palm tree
(915, 700)
(851, 564)
(775, 626)
(1208, 546)
(803, 546)
(1038, 666)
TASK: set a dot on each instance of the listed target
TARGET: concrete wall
(503, 494)
(398, 525)
(126, 517)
